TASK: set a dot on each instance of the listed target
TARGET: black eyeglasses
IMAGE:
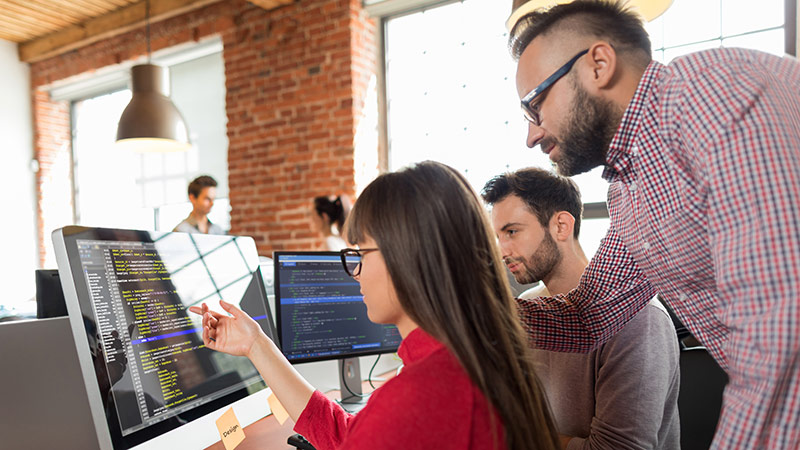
(351, 259)
(531, 112)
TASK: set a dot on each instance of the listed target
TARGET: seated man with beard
(623, 394)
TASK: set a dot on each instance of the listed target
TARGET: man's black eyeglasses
(531, 112)
(351, 259)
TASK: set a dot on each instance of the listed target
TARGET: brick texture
(296, 78)
(54, 178)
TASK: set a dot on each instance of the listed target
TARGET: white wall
(18, 243)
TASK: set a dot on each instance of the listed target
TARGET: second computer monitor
(321, 313)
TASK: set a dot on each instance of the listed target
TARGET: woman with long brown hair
(429, 265)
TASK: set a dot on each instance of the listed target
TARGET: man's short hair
(545, 194)
(198, 184)
(609, 20)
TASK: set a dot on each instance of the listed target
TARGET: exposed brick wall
(296, 80)
(52, 139)
(291, 113)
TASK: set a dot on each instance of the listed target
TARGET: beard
(590, 129)
(543, 260)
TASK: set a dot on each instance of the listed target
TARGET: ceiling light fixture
(151, 122)
(648, 9)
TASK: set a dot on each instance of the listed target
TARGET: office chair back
(700, 397)
(49, 295)
(702, 384)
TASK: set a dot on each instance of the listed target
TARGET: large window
(692, 25)
(451, 94)
(119, 189)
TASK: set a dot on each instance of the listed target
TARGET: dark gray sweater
(622, 395)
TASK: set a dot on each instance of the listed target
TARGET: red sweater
(432, 404)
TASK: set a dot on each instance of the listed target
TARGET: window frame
(386, 10)
(113, 79)
(790, 19)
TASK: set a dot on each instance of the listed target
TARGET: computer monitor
(321, 315)
(146, 370)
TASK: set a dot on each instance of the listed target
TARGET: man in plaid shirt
(703, 160)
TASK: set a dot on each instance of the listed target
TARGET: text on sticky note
(230, 430)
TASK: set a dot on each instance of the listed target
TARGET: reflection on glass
(174, 244)
(138, 292)
(236, 268)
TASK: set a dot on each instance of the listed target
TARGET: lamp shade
(648, 9)
(151, 122)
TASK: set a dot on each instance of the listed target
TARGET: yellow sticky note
(277, 409)
(230, 431)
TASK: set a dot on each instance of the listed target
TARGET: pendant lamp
(151, 122)
(648, 9)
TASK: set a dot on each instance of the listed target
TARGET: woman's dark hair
(334, 208)
(442, 257)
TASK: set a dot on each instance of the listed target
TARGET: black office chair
(685, 338)
(700, 397)
(49, 295)
(702, 384)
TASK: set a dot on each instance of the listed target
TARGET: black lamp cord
(147, 26)
(368, 379)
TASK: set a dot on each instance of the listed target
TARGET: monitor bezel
(65, 239)
(278, 315)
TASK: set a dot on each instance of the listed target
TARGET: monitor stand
(350, 378)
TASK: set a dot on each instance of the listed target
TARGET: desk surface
(268, 434)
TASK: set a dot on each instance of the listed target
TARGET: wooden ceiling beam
(92, 30)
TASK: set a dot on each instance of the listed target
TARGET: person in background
(202, 192)
(328, 217)
(624, 393)
(468, 380)
(703, 160)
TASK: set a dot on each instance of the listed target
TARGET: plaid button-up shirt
(705, 209)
